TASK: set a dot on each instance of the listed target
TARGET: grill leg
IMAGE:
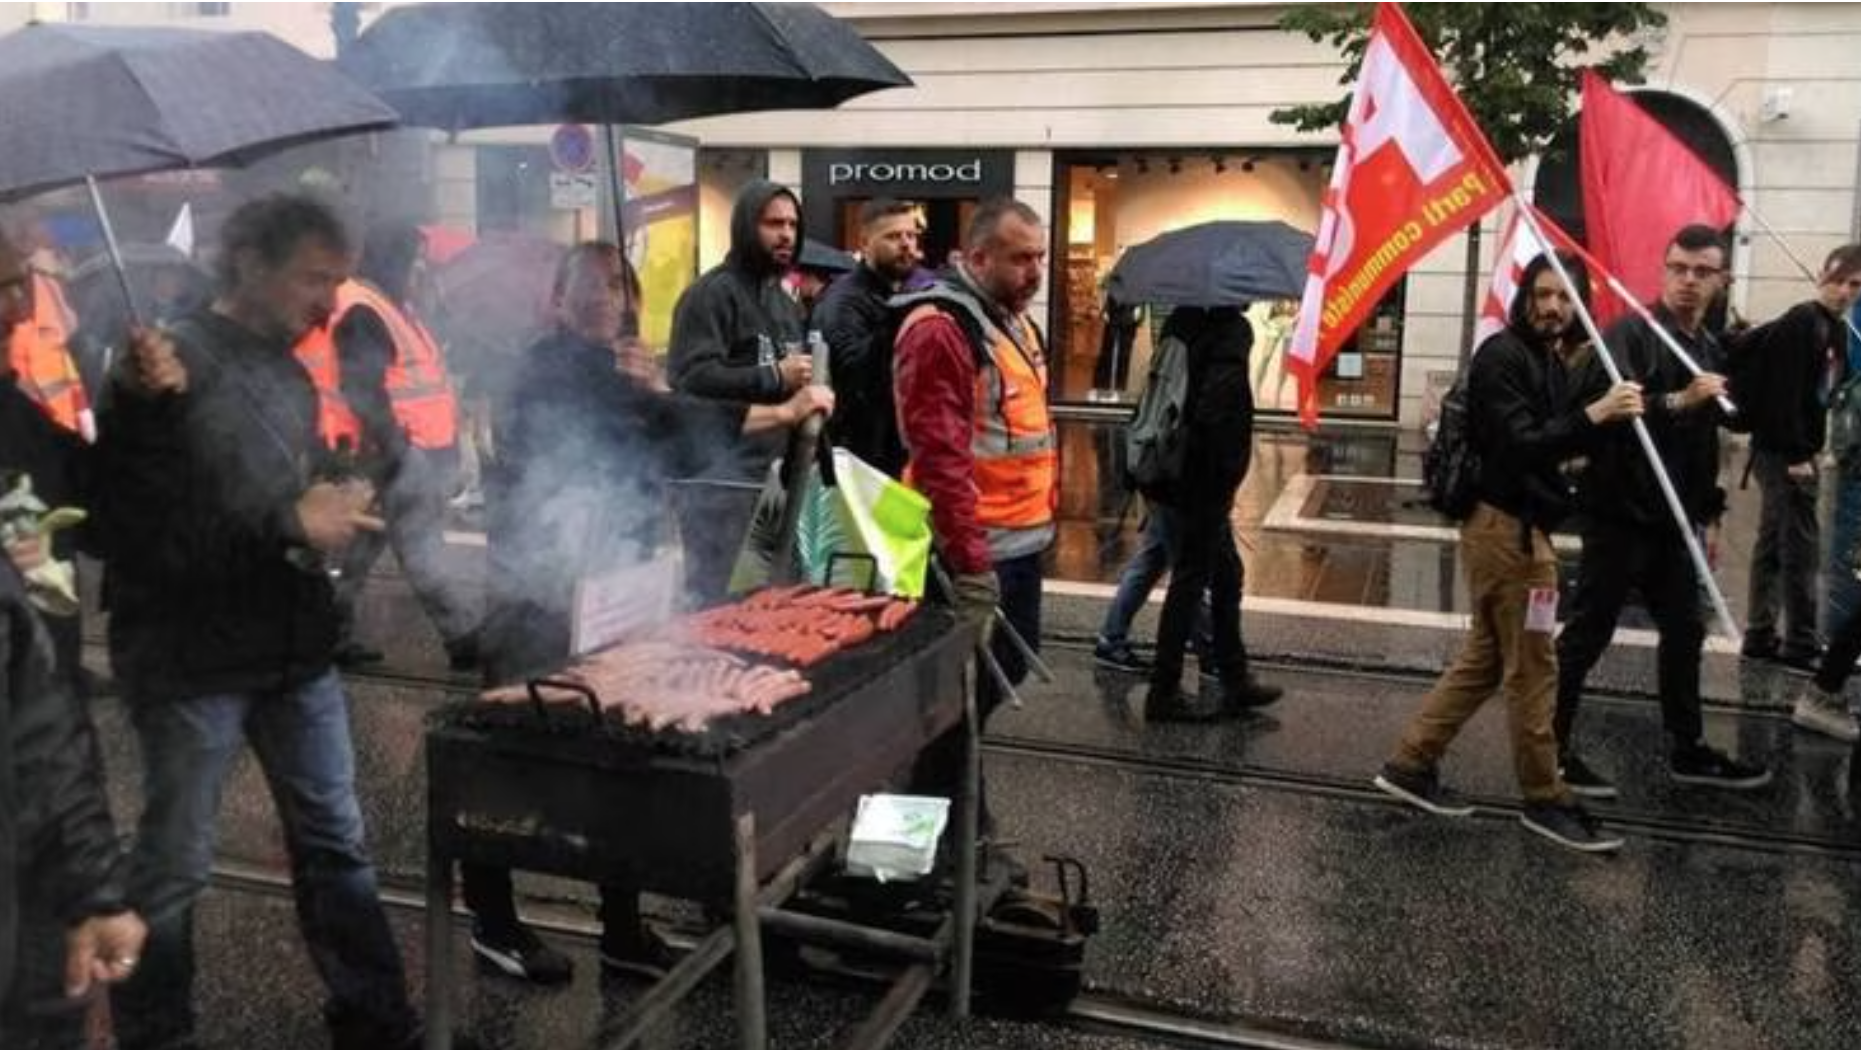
(752, 1024)
(439, 975)
(967, 819)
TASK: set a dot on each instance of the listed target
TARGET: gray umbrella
(109, 100)
(456, 66)
(1225, 263)
(86, 102)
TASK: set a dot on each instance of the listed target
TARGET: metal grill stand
(746, 827)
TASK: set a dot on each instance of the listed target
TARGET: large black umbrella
(1225, 263)
(457, 66)
(86, 102)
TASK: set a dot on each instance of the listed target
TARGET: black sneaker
(1799, 661)
(1423, 791)
(1119, 656)
(1570, 826)
(519, 953)
(646, 954)
(1582, 780)
(1699, 764)
(1758, 647)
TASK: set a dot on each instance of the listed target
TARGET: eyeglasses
(1698, 273)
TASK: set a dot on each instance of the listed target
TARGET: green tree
(1517, 67)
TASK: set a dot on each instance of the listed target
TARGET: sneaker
(1422, 790)
(519, 953)
(1247, 695)
(645, 955)
(1758, 647)
(1570, 826)
(1699, 764)
(1799, 661)
(1824, 713)
(350, 655)
(1119, 656)
(1582, 780)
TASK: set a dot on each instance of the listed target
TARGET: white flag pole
(1667, 339)
(1771, 232)
(1640, 426)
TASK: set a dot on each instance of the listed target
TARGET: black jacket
(1619, 488)
(858, 325)
(733, 323)
(1780, 386)
(578, 487)
(212, 586)
(1524, 427)
(1219, 414)
(58, 845)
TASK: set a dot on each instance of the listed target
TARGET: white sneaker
(1824, 713)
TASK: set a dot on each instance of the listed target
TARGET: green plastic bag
(869, 531)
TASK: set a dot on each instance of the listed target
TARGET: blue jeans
(1842, 598)
(1162, 534)
(301, 739)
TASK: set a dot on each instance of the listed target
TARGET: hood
(746, 251)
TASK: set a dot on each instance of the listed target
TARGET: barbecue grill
(729, 814)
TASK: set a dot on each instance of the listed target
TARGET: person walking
(1523, 428)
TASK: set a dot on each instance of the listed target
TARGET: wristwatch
(1672, 403)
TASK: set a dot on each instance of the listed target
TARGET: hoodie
(730, 327)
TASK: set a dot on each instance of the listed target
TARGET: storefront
(1108, 201)
(947, 183)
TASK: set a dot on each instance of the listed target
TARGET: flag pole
(1640, 426)
(1801, 266)
(1660, 331)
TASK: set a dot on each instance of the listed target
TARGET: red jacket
(934, 380)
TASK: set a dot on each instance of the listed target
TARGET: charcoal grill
(732, 814)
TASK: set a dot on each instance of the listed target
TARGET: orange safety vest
(1012, 441)
(418, 391)
(41, 355)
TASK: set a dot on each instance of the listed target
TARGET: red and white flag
(1413, 169)
(1640, 186)
(1518, 246)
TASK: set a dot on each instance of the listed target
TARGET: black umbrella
(1226, 263)
(457, 66)
(85, 102)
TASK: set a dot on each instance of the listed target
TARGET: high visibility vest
(41, 355)
(418, 391)
(1012, 441)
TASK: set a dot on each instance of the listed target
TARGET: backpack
(1451, 463)
(1745, 368)
(1155, 443)
(1845, 424)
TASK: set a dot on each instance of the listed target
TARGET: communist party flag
(1640, 186)
(1412, 170)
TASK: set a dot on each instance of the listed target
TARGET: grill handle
(587, 694)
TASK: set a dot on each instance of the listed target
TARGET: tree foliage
(1517, 66)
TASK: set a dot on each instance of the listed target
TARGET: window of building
(77, 12)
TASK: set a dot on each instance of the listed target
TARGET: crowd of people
(251, 458)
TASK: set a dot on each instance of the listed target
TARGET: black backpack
(1451, 464)
(1155, 444)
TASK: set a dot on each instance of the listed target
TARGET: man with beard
(971, 386)
(1630, 538)
(857, 323)
(737, 336)
(223, 629)
(1523, 427)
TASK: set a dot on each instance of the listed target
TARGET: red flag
(1640, 186)
(1412, 170)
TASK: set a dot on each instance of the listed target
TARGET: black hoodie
(732, 324)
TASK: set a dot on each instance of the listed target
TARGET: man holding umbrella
(224, 626)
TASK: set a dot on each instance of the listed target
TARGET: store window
(1110, 201)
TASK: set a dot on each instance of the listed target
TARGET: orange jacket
(422, 398)
(41, 355)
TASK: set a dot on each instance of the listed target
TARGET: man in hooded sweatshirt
(737, 336)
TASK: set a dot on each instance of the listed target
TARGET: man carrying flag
(1412, 171)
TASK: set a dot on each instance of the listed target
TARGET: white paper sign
(610, 607)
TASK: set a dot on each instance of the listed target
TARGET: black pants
(939, 769)
(1784, 560)
(1653, 560)
(1206, 560)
